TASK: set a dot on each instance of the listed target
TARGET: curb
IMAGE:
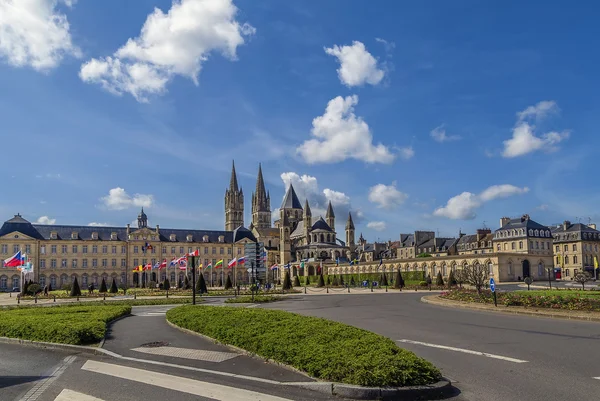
(435, 300)
(66, 347)
(442, 388)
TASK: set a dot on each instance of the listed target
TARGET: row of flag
(21, 261)
(182, 263)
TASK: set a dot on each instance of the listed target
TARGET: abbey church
(296, 234)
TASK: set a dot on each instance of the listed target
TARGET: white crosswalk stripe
(70, 395)
(182, 384)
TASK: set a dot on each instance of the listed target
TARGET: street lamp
(252, 280)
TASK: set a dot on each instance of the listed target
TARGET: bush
(328, 280)
(342, 280)
(103, 288)
(201, 285)
(439, 280)
(66, 287)
(384, 280)
(258, 299)
(451, 279)
(34, 289)
(352, 281)
(75, 290)
(113, 287)
(321, 282)
(228, 284)
(220, 281)
(324, 349)
(307, 281)
(67, 324)
(287, 282)
(296, 281)
(186, 283)
(335, 281)
(423, 283)
(399, 281)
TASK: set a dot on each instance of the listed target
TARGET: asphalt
(561, 355)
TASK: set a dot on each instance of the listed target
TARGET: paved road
(533, 358)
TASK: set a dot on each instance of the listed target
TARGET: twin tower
(234, 203)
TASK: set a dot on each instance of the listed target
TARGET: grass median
(65, 324)
(324, 349)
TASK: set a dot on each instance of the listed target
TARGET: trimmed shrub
(399, 281)
(321, 282)
(439, 280)
(186, 283)
(352, 281)
(201, 285)
(296, 281)
(307, 281)
(335, 281)
(287, 282)
(422, 283)
(342, 280)
(228, 284)
(220, 283)
(75, 290)
(328, 280)
(324, 349)
(34, 288)
(152, 284)
(66, 287)
(384, 280)
(428, 280)
(113, 287)
(451, 279)
(103, 286)
(166, 284)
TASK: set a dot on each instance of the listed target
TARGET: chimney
(525, 217)
(592, 225)
(504, 221)
(482, 232)
(127, 229)
(566, 225)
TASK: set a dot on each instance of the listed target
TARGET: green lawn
(324, 349)
(67, 324)
(258, 299)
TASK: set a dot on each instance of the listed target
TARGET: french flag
(15, 260)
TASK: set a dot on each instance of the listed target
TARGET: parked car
(15, 289)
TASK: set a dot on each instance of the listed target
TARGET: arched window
(536, 233)
(510, 272)
(434, 270)
(328, 238)
(4, 281)
(520, 244)
(444, 270)
(566, 259)
(540, 269)
(490, 268)
(513, 246)
(15, 281)
(322, 238)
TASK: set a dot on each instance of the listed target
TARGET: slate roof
(290, 201)
(41, 232)
(321, 225)
(299, 230)
(576, 227)
(522, 222)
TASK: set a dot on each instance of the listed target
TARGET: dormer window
(172, 237)
(536, 233)
(73, 235)
(530, 232)
(205, 238)
(94, 235)
(113, 236)
(53, 235)
(221, 238)
(189, 238)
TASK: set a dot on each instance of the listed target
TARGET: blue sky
(414, 115)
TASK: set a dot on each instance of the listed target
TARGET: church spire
(307, 211)
(261, 203)
(349, 223)
(233, 184)
(330, 211)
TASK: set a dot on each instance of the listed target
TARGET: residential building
(576, 248)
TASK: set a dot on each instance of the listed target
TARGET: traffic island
(346, 361)
(562, 306)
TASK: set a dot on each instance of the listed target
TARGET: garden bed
(66, 324)
(324, 349)
(552, 299)
(258, 299)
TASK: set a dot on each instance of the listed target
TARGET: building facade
(576, 248)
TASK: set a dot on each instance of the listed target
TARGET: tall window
(42, 263)
(540, 270)
(513, 245)
(53, 249)
(574, 247)
(214, 250)
(221, 251)
(574, 258)
(490, 268)
(94, 262)
(64, 249)
(135, 249)
(206, 250)
(557, 248)
(566, 259)
(42, 249)
(27, 249)
(15, 248)
(74, 248)
(104, 249)
(63, 263)
(181, 251)
(510, 268)
(123, 263)
(5, 249)
(94, 248)
(104, 262)
(190, 249)
(84, 249)
(113, 249)
(113, 263)
(537, 245)
(520, 244)
(173, 250)
(566, 247)
(228, 251)
(84, 263)
(164, 249)
(53, 263)
(123, 249)
(74, 263)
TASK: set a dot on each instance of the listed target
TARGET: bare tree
(460, 277)
(476, 275)
(582, 278)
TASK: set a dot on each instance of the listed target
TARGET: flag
(156, 265)
(232, 263)
(138, 268)
(146, 247)
(241, 260)
(596, 262)
(15, 260)
(380, 263)
(148, 267)
(351, 262)
(183, 264)
(274, 267)
(302, 264)
(195, 253)
(163, 264)
(219, 264)
(173, 262)
(209, 265)
(287, 266)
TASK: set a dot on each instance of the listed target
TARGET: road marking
(182, 384)
(597, 378)
(70, 395)
(41, 386)
(197, 354)
(466, 351)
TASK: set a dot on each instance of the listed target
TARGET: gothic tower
(261, 204)
(234, 203)
(330, 217)
(285, 246)
(307, 221)
(350, 233)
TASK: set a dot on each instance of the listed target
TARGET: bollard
(327, 288)
(77, 298)
(18, 299)
(305, 289)
(134, 295)
(371, 287)
(36, 299)
(167, 294)
(54, 298)
(348, 289)
(386, 288)
(104, 296)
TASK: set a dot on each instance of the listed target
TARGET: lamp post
(252, 279)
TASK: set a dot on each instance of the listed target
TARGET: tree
(342, 280)
(228, 284)
(201, 285)
(221, 281)
(582, 278)
(287, 281)
(451, 279)
(186, 283)
(439, 280)
(352, 282)
(475, 275)
(328, 280)
(296, 281)
(398, 281)
(321, 282)
(113, 287)
(25, 285)
(384, 280)
(460, 277)
(103, 286)
(75, 290)
(307, 282)
(166, 284)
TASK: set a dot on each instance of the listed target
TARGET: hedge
(324, 349)
(66, 324)
(260, 299)
(409, 277)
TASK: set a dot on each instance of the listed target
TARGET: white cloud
(543, 207)
(524, 140)
(118, 199)
(439, 134)
(376, 225)
(386, 196)
(336, 197)
(406, 153)
(94, 224)
(34, 33)
(55, 176)
(46, 220)
(340, 134)
(175, 43)
(463, 206)
(357, 65)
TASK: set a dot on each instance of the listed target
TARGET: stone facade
(576, 248)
